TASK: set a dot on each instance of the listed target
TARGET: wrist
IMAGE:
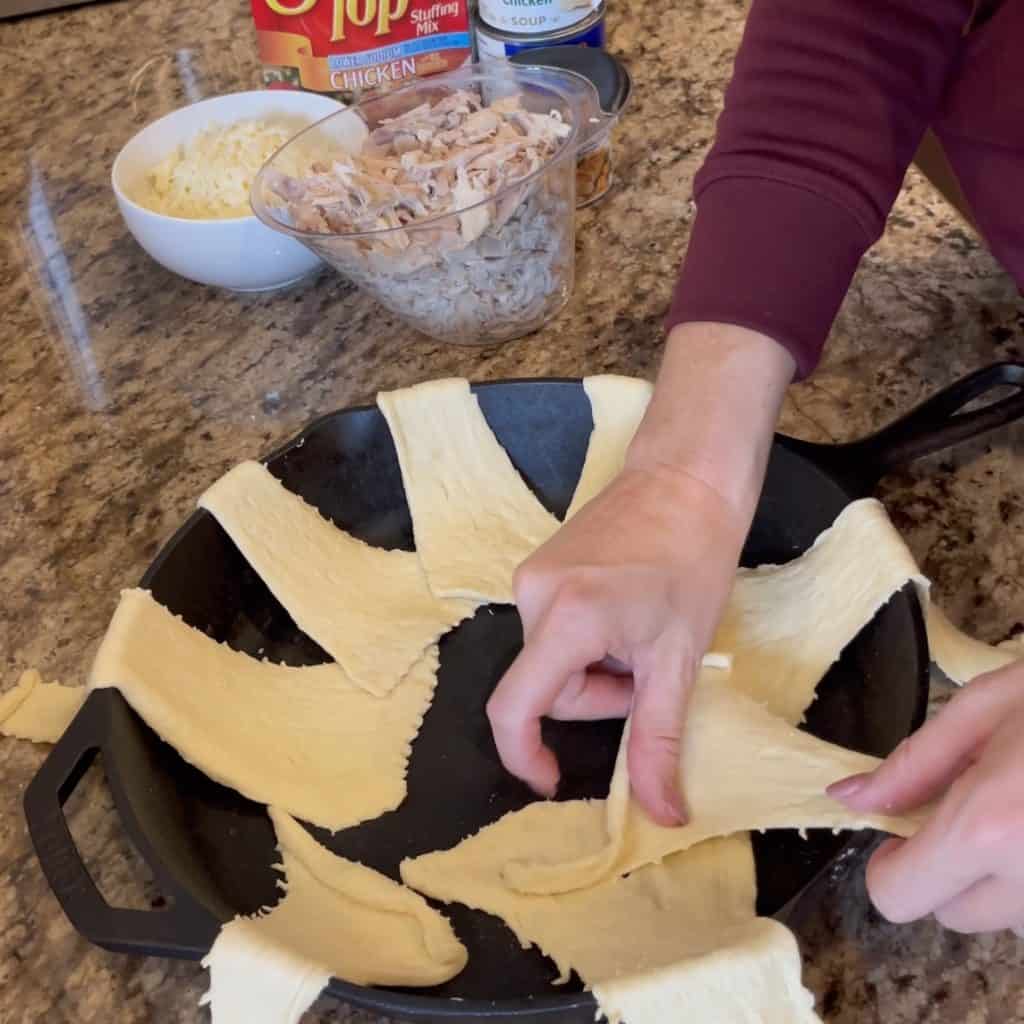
(714, 409)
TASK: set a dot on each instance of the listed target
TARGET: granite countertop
(126, 390)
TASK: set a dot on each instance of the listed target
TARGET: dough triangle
(579, 930)
(369, 609)
(38, 711)
(474, 518)
(785, 625)
(742, 768)
(667, 928)
(961, 657)
(618, 405)
(336, 918)
(752, 976)
(307, 740)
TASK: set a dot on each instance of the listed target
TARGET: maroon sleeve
(828, 102)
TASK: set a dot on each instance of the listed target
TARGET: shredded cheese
(210, 176)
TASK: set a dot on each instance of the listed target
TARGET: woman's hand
(966, 866)
(640, 576)
(619, 607)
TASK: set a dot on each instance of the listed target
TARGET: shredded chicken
(434, 159)
(461, 249)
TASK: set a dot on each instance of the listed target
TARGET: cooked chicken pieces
(446, 157)
(438, 217)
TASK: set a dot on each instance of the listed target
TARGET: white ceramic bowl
(239, 253)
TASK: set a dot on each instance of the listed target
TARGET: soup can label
(493, 44)
(535, 16)
(350, 48)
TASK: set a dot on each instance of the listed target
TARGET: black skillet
(211, 851)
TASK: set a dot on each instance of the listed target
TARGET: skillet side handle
(184, 930)
(932, 426)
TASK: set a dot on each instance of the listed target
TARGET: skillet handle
(934, 425)
(184, 930)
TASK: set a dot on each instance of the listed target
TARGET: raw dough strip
(961, 657)
(618, 802)
(592, 931)
(786, 624)
(618, 405)
(474, 518)
(752, 975)
(666, 927)
(307, 740)
(742, 768)
(369, 609)
(338, 919)
(38, 711)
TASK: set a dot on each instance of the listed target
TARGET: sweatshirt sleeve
(827, 105)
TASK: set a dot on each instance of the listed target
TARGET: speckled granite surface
(124, 391)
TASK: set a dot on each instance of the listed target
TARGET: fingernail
(672, 809)
(845, 788)
(548, 790)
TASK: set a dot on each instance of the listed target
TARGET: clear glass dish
(468, 287)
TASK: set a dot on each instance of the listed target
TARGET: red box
(352, 47)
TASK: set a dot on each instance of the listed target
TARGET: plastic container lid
(606, 73)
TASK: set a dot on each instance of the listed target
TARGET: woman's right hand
(639, 576)
(621, 604)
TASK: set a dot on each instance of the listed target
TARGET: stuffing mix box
(350, 48)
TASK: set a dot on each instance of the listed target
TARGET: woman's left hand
(966, 865)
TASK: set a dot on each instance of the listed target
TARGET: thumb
(662, 685)
(926, 763)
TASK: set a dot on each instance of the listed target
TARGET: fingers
(924, 765)
(559, 648)
(591, 696)
(964, 865)
(986, 904)
(661, 691)
(991, 904)
(908, 879)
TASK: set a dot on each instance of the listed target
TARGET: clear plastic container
(601, 87)
(501, 284)
(594, 143)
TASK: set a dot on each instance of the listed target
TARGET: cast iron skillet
(211, 851)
